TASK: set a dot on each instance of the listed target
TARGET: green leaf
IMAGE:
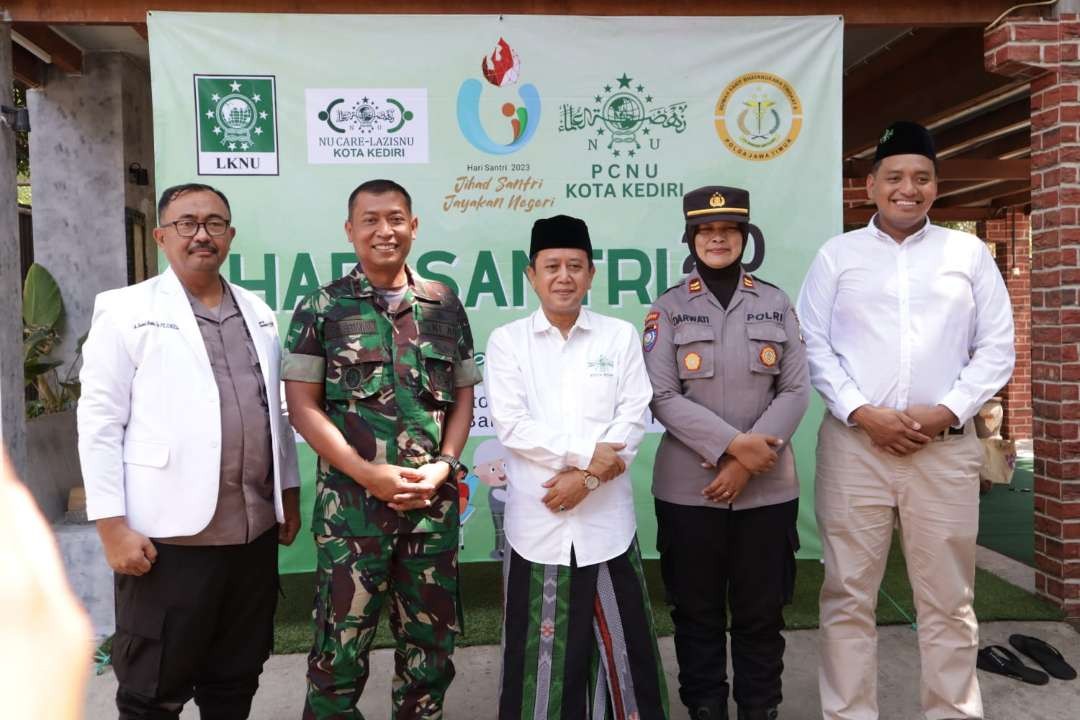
(31, 371)
(37, 342)
(42, 304)
(71, 390)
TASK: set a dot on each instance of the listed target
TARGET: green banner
(492, 122)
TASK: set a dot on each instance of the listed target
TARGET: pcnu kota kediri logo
(518, 122)
(623, 118)
(236, 124)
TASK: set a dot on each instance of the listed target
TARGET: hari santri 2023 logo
(236, 125)
(501, 69)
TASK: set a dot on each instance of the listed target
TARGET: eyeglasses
(215, 227)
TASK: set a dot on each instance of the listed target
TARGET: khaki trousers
(860, 493)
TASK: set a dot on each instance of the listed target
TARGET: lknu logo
(236, 124)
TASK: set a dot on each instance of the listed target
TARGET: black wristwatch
(456, 466)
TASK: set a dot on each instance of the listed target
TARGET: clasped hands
(566, 489)
(403, 488)
(903, 433)
(748, 454)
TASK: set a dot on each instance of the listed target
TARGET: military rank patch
(767, 356)
(747, 281)
(692, 361)
(695, 285)
(648, 338)
(652, 317)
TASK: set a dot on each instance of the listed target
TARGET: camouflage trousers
(417, 572)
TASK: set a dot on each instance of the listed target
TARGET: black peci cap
(905, 138)
(560, 231)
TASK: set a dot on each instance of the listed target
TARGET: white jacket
(149, 414)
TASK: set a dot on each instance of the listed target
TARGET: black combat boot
(758, 713)
(711, 710)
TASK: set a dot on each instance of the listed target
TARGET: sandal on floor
(1045, 655)
(1002, 661)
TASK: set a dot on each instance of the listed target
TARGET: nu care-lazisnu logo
(366, 125)
(236, 125)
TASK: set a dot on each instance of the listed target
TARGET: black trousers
(199, 624)
(718, 562)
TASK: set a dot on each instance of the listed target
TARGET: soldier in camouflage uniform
(379, 372)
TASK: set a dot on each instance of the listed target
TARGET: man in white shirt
(567, 390)
(908, 332)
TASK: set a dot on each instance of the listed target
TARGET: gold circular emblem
(717, 200)
(768, 356)
(692, 361)
(758, 116)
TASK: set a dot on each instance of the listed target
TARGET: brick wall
(1045, 51)
(854, 192)
(1010, 237)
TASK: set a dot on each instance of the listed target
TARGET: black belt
(951, 431)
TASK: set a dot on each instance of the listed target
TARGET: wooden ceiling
(919, 60)
(981, 122)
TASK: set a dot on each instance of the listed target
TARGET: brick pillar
(1010, 237)
(1045, 51)
(855, 192)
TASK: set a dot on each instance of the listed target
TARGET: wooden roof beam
(932, 85)
(62, 54)
(990, 191)
(1011, 146)
(26, 67)
(1014, 200)
(959, 169)
(861, 215)
(1008, 119)
(972, 13)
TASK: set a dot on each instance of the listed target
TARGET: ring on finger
(562, 508)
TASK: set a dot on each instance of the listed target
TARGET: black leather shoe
(758, 713)
(714, 710)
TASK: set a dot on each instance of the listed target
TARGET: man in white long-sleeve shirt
(567, 390)
(908, 332)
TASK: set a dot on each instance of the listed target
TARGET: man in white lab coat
(190, 469)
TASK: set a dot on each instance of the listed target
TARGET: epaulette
(766, 282)
(673, 287)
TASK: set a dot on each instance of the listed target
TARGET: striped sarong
(578, 642)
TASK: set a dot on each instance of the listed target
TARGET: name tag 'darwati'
(236, 124)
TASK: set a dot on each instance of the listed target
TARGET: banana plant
(43, 318)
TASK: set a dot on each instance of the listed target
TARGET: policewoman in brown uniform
(730, 385)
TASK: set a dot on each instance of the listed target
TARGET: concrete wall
(12, 413)
(86, 131)
(139, 146)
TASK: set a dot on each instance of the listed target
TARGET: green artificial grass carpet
(1007, 516)
(481, 590)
